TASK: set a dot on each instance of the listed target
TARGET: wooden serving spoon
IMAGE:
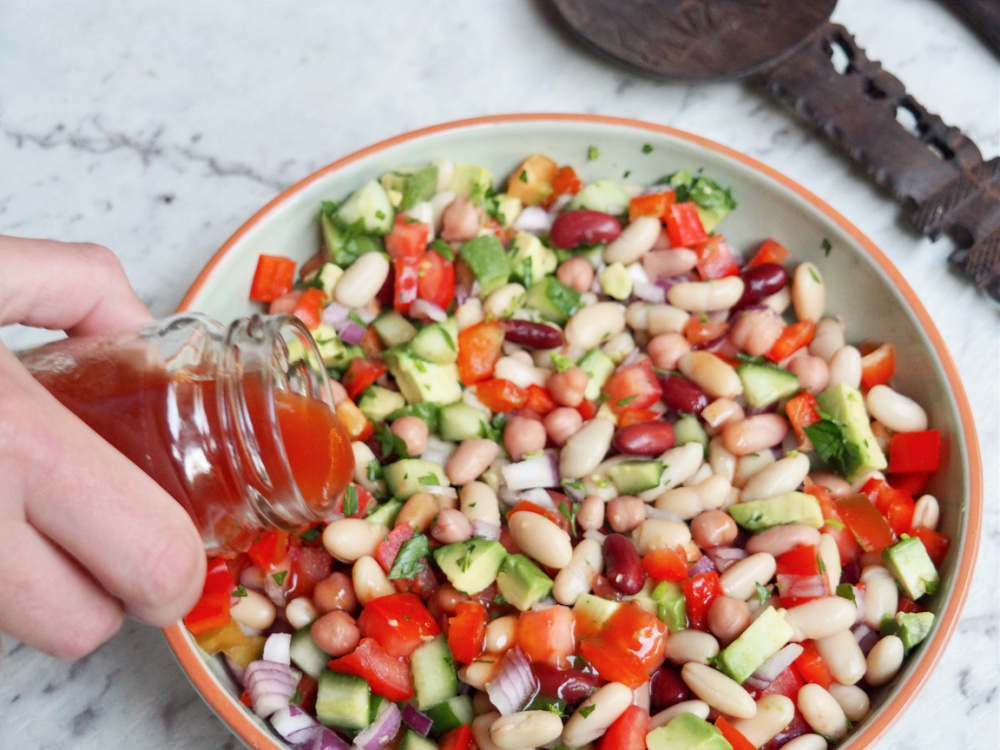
(936, 172)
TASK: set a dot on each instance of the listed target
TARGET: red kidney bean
(645, 439)
(681, 394)
(570, 685)
(583, 227)
(622, 564)
(761, 281)
(666, 688)
(532, 335)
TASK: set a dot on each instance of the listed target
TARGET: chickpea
(412, 431)
(451, 526)
(713, 528)
(336, 633)
(523, 435)
(666, 349)
(576, 273)
(335, 592)
(625, 513)
(567, 387)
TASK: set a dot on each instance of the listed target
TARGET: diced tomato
(212, 609)
(701, 331)
(269, 549)
(354, 421)
(564, 182)
(399, 622)
(715, 258)
(935, 543)
(436, 282)
(634, 387)
(371, 344)
(627, 732)
(305, 693)
(366, 502)
(769, 252)
(733, 735)
(308, 566)
(666, 564)
(467, 631)
(479, 348)
(274, 277)
(798, 569)
(587, 409)
(387, 675)
(915, 452)
(699, 592)
(878, 366)
(361, 374)
(531, 182)
(912, 484)
(896, 506)
(684, 227)
(653, 204)
(802, 411)
(792, 338)
(909, 606)
(863, 519)
(408, 238)
(407, 278)
(629, 416)
(501, 396)
(628, 648)
(812, 666)
(847, 545)
(539, 400)
(286, 302)
(459, 738)
(309, 308)
(388, 548)
(547, 636)
(245, 699)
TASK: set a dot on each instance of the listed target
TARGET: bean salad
(617, 483)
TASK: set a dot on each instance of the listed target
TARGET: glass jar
(235, 422)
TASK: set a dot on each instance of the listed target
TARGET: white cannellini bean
(843, 656)
(540, 538)
(690, 645)
(778, 540)
(774, 713)
(500, 634)
(829, 338)
(521, 374)
(779, 301)
(820, 618)
(829, 555)
(635, 240)
(683, 502)
(577, 578)
(927, 512)
(664, 318)
(881, 600)
(740, 579)
(720, 459)
(586, 449)
(478, 502)
(362, 280)
(807, 742)
(481, 730)
(822, 712)
(349, 539)
(656, 533)
(896, 411)
(706, 296)
(254, 610)
(808, 292)
(600, 710)
(884, 660)
(853, 699)
(679, 465)
(698, 708)
(784, 475)
(300, 611)
(502, 302)
(525, 729)
(637, 316)
(594, 324)
(718, 691)
(749, 464)
(713, 490)
(845, 367)
(369, 580)
(714, 376)
(469, 313)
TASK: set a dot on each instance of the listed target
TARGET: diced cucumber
(306, 655)
(408, 477)
(434, 676)
(377, 402)
(346, 245)
(450, 714)
(343, 701)
(414, 741)
(437, 342)
(461, 421)
(789, 507)
(552, 300)
(688, 429)
(599, 368)
(763, 384)
(386, 513)
(670, 605)
(530, 260)
(368, 206)
(393, 328)
(607, 196)
(414, 185)
(633, 477)
(471, 180)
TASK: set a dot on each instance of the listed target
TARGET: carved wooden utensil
(936, 173)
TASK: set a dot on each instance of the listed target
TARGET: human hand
(85, 536)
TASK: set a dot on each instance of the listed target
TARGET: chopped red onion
(377, 734)
(421, 308)
(420, 723)
(640, 696)
(486, 530)
(724, 557)
(270, 685)
(575, 492)
(297, 727)
(649, 292)
(327, 739)
(865, 636)
(533, 219)
(277, 648)
(752, 411)
(540, 471)
(352, 332)
(438, 451)
(275, 591)
(335, 314)
(859, 602)
(703, 565)
(774, 667)
(790, 586)
(333, 516)
(513, 684)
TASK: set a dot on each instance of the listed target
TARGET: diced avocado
(762, 639)
(377, 402)
(471, 566)
(607, 196)
(437, 342)
(412, 184)
(522, 583)
(369, 207)
(847, 406)
(346, 245)
(326, 278)
(461, 421)
(599, 368)
(763, 384)
(471, 180)
(426, 410)
(594, 610)
(420, 381)
(911, 627)
(633, 477)
(331, 349)
(687, 732)
(530, 260)
(410, 475)
(615, 281)
(486, 259)
(670, 605)
(508, 208)
(393, 328)
(449, 714)
(790, 507)
(434, 677)
(688, 429)
(553, 300)
(643, 597)
(386, 513)
(912, 568)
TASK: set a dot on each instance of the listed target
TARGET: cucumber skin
(434, 676)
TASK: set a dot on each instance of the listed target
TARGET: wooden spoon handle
(934, 170)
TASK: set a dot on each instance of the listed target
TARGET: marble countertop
(157, 128)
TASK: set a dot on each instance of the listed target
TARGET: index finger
(76, 287)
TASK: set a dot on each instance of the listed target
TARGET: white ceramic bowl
(862, 285)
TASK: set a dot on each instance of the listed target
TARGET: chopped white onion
(594, 534)
(277, 648)
(421, 308)
(486, 530)
(649, 292)
(533, 219)
(540, 471)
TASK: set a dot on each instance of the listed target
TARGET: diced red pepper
(700, 331)
(628, 648)
(307, 567)
(631, 416)
(564, 182)
(436, 282)
(847, 545)
(634, 387)
(935, 543)
(389, 547)
(587, 409)
(896, 506)
(467, 631)
(408, 238)
(715, 258)
(539, 400)
(652, 204)
(699, 593)
(459, 738)
(792, 338)
(912, 484)
(407, 277)
(212, 609)
(628, 731)
(273, 277)
(309, 308)
(269, 549)
(915, 452)
(684, 227)
(530, 507)
(769, 252)
(868, 526)
(387, 675)
(361, 374)
(787, 684)
(399, 622)
(501, 396)
(802, 411)
(799, 563)
(812, 666)
(479, 348)
(733, 735)
(371, 344)
(878, 366)
(666, 564)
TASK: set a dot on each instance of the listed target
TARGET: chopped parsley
(409, 561)
(628, 400)
(593, 153)
(443, 249)
(569, 510)
(647, 148)
(763, 593)
(240, 591)
(561, 362)
(279, 577)
(311, 535)
(351, 500)
(586, 711)
(523, 177)
(827, 247)
(389, 442)
(429, 479)
(374, 470)
(832, 445)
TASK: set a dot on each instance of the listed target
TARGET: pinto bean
(622, 565)
(414, 432)
(778, 540)
(590, 516)
(470, 459)
(713, 528)
(451, 526)
(336, 591)
(813, 372)
(336, 633)
(755, 331)
(567, 387)
(666, 263)
(625, 512)
(576, 273)
(523, 435)
(645, 439)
